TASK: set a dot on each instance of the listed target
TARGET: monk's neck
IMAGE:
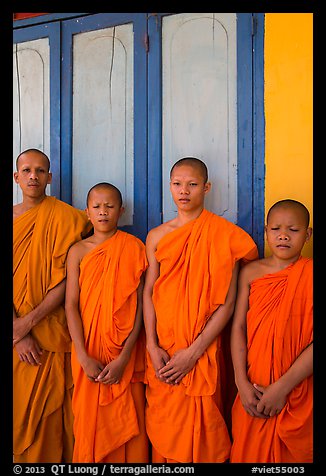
(279, 264)
(27, 204)
(99, 237)
(185, 217)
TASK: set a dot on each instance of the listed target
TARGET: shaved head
(33, 151)
(290, 204)
(197, 164)
(108, 186)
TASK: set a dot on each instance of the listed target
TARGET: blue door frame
(148, 110)
(251, 126)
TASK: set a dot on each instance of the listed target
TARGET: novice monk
(189, 296)
(44, 229)
(271, 345)
(104, 313)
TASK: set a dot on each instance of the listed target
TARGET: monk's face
(188, 187)
(104, 209)
(33, 174)
(287, 232)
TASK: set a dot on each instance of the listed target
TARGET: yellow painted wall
(289, 109)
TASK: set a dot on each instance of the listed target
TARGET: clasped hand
(172, 370)
(21, 327)
(262, 402)
(29, 350)
(272, 399)
(96, 371)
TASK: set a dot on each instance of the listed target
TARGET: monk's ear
(86, 210)
(207, 187)
(122, 210)
(309, 233)
(16, 177)
(49, 178)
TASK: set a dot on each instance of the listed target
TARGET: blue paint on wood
(244, 105)
(251, 127)
(155, 121)
(258, 134)
(148, 110)
(55, 126)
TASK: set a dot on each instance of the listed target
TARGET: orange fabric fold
(279, 328)
(105, 416)
(42, 237)
(185, 422)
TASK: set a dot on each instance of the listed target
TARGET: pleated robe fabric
(185, 422)
(279, 328)
(42, 420)
(109, 419)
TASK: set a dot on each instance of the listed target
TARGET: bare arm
(249, 395)
(185, 359)
(91, 366)
(239, 330)
(158, 355)
(53, 299)
(113, 372)
(27, 347)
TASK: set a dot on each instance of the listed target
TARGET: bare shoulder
(157, 233)
(17, 210)
(78, 250)
(253, 270)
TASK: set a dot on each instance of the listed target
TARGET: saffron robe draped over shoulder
(184, 422)
(41, 394)
(105, 417)
(279, 328)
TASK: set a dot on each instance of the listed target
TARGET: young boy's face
(104, 209)
(33, 174)
(188, 187)
(287, 232)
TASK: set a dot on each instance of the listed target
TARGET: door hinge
(254, 21)
(146, 42)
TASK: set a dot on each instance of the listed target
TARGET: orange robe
(279, 328)
(184, 422)
(109, 421)
(42, 423)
